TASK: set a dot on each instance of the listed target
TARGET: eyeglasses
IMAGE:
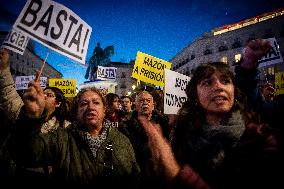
(50, 95)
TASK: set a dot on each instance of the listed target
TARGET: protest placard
(16, 41)
(174, 94)
(273, 56)
(22, 82)
(67, 86)
(150, 69)
(106, 73)
(279, 83)
(56, 27)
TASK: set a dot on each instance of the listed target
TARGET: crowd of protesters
(224, 136)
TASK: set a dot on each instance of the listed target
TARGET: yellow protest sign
(67, 86)
(150, 69)
(279, 83)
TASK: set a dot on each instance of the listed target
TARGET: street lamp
(133, 87)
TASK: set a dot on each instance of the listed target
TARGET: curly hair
(79, 95)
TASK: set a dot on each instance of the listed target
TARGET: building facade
(123, 78)
(226, 43)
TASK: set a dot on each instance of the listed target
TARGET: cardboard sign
(67, 86)
(174, 95)
(273, 56)
(56, 27)
(23, 81)
(106, 73)
(279, 83)
(150, 69)
(16, 41)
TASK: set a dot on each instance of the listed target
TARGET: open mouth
(90, 115)
(219, 99)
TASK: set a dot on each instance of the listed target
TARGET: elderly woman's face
(91, 110)
(216, 93)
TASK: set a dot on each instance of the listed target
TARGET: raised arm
(247, 75)
(9, 97)
(165, 162)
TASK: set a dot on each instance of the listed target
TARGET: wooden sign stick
(38, 75)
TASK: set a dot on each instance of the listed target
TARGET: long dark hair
(191, 115)
(110, 97)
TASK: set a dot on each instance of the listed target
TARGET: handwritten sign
(22, 82)
(175, 96)
(150, 69)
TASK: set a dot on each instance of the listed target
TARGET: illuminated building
(225, 43)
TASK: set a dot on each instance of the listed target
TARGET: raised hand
(4, 59)
(253, 52)
(34, 99)
(162, 155)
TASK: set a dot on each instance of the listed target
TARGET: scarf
(95, 142)
(214, 143)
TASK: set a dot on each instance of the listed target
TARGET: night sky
(160, 28)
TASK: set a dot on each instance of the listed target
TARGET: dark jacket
(137, 136)
(235, 154)
(270, 112)
(71, 158)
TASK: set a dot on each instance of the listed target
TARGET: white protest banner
(56, 27)
(273, 56)
(16, 41)
(106, 73)
(175, 85)
(23, 81)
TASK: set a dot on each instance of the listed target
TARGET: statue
(100, 57)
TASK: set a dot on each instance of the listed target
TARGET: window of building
(237, 43)
(224, 59)
(251, 37)
(223, 48)
(271, 71)
(268, 33)
(123, 75)
(282, 33)
(237, 58)
(207, 51)
(123, 86)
